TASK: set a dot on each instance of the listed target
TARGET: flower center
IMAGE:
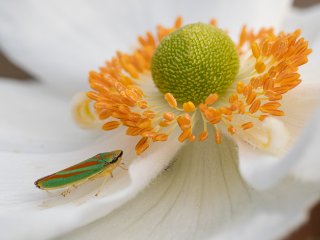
(194, 62)
(193, 67)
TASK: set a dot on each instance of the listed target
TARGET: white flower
(207, 192)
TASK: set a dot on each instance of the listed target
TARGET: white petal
(309, 168)
(202, 196)
(262, 170)
(36, 119)
(52, 214)
(60, 47)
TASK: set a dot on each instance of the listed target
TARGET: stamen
(142, 145)
(268, 71)
(203, 136)
(189, 107)
(260, 67)
(171, 100)
(110, 125)
(168, 116)
(218, 135)
(255, 50)
(211, 99)
(247, 125)
(184, 135)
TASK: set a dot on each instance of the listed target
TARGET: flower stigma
(195, 61)
(195, 73)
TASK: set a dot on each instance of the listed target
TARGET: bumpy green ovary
(195, 61)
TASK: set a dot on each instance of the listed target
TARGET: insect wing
(73, 174)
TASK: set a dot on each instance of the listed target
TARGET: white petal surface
(202, 196)
(34, 118)
(262, 170)
(309, 168)
(42, 216)
(58, 46)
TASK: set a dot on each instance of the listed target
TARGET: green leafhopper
(100, 165)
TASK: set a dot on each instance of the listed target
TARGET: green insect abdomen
(67, 179)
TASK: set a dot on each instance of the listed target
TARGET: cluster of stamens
(117, 92)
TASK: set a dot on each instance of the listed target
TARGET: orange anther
(129, 123)
(247, 90)
(202, 107)
(134, 116)
(131, 70)
(203, 136)
(269, 106)
(247, 125)
(262, 117)
(233, 98)
(161, 137)
(218, 136)
(251, 98)
(170, 100)
(110, 125)
(142, 104)
(260, 67)
(213, 22)
(178, 22)
(232, 130)
(234, 107)
(275, 97)
(276, 112)
(255, 82)
(133, 131)
(149, 134)
(150, 39)
(255, 50)
(119, 115)
(184, 135)
(164, 123)
(144, 123)
(142, 145)
(123, 108)
(184, 122)
(168, 116)
(268, 84)
(255, 106)
(241, 108)
(225, 111)
(119, 86)
(212, 115)
(93, 95)
(104, 114)
(192, 138)
(240, 87)
(149, 114)
(211, 99)
(266, 48)
(132, 95)
(188, 107)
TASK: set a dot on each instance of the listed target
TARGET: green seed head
(195, 61)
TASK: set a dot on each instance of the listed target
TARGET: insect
(100, 165)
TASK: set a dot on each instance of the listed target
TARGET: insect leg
(123, 166)
(102, 185)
